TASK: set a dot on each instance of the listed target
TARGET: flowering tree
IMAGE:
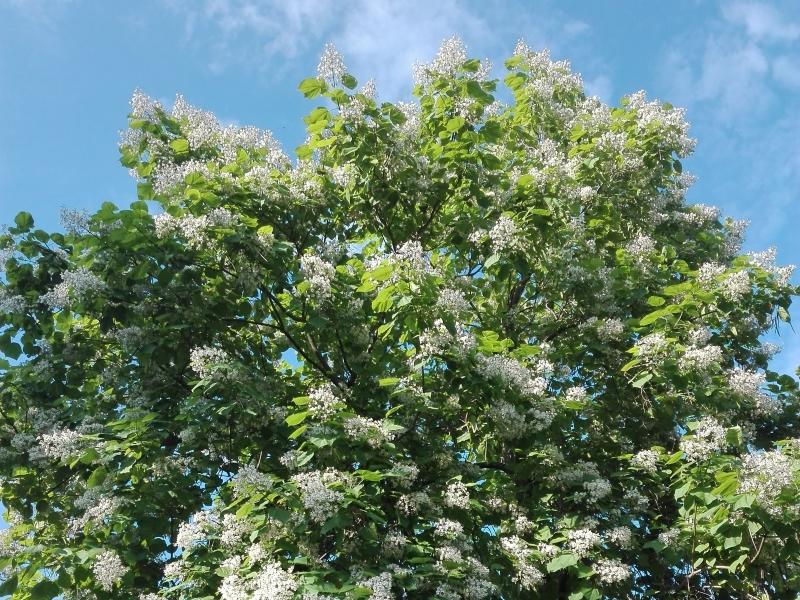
(458, 349)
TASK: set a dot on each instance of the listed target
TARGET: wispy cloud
(380, 39)
(738, 74)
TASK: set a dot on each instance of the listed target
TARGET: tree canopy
(458, 348)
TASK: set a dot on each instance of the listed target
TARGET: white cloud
(761, 21)
(380, 39)
(786, 69)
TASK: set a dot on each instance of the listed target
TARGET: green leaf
(642, 380)
(455, 124)
(23, 221)
(9, 585)
(45, 590)
(655, 301)
(731, 542)
(492, 260)
(562, 562)
(312, 87)
(298, 432)
(683, 490)
(349, 81)
(630, 364)
(388, 381)
(97, 477)
(181, 146)
(296, 418)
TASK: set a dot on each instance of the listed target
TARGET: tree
(458, 349)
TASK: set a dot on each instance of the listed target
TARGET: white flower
(621, 536)
(610, 329)
(447, 528)
(452, 301)
(641, 248)
(700, 358)
(320, 501)
(80, 285)
(331, 66)
(736, 285)
(669, 537)
(381, 586)
(611, 571)
(274, 583)
(323, 402)
(707, 438)
(60, 444)
(319, 275)
(456, 495)
(206, 360)
(108, 569)
(766, 474)
(745, 383)
(503, 234)
(581, 541)
(646, 460)
(709, 271)
(250, 479)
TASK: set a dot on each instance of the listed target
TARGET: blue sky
(67, 69)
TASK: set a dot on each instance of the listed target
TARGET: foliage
(459, 349)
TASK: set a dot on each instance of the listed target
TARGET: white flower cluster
(766, 474)
(708, 272)
(527, 575)
(736, 285)
(611, 571)
(651, 346)
(671, 122)
(195, 530)
(452, 301)
(108, 569)
(374, 432)
(80, 285)
(438, 340)
(249, 479)
(319, 274)
(331, 66)
(581, 541)
(60, 444)
(448, 528)
(670, 536)
(11, 303)
(746, 383)
(456, 495)
(700, 358)
(621, 536)
(232, 530)
(709, 437)
(272, 582)
(451, 56)
(647, 460)
(413, 255)
(319, 499)
(641, 248)
(194, 229)
(381, 586)
(503, 234)
(766, 260)
(596, 489)
(509, 422)
(610, 329)
(207, 359)
(511, 373)
(548, 76)
(323, 402)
